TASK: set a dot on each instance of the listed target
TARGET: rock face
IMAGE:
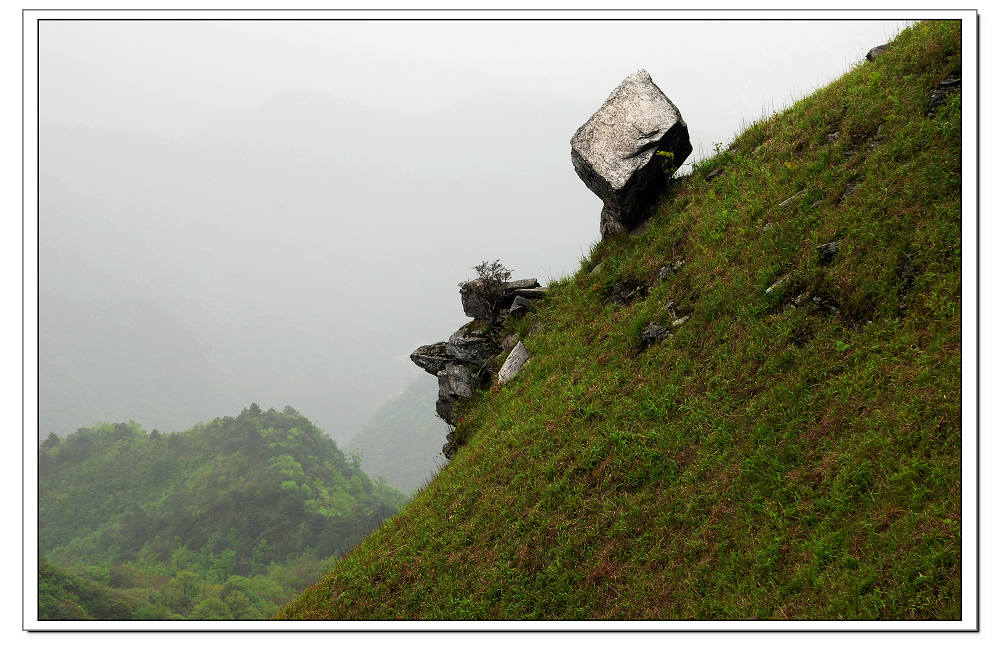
(614, 152)
(432, 358)
(466, 362)
(471, 343)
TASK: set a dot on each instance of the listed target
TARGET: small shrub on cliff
(489, 287)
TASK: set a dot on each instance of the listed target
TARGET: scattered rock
(680, 321)
(515, 361)
(849, 190)
(767, 226)
(712, 174)
(941, 93)
(666, 271)
(671, 308)
(653, 334)
(626, 291)
(432, 358)
(825, 304)
(596, 269)
(799, 299)
(613, 152)
(876, 52)
(876, 139)
(798, 195)
(833, 137)
(472, 343)
(828, 251)
(816, 204)
(777, 284)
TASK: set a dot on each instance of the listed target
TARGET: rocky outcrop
(621, 152)
(467, 361)
(476, 306)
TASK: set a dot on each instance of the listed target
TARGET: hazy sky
(281, 212)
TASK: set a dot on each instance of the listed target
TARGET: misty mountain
(402, 440)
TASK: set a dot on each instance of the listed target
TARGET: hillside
(791, 451)
(172, 525)
(402, 441)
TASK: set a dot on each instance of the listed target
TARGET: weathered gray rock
(876, 52)
(712, 174)
(521, 306)
(653, 334)
(828, 251)
(614, 152)
(941, 93)
(457, 381)
(792, 199)
(432, 358)
(680, 321)
(777, 284)
(472, 343)
(534, 293)
(666, 271)
(515, 361)
(473, 296)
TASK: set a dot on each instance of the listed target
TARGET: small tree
(489, 288)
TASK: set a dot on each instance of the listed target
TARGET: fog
(281, 212)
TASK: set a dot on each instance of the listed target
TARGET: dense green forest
(789, 443)
(224, 521)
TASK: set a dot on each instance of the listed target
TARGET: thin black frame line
(38, 22)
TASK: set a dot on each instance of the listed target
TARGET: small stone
(767, 226)
(833, 137)
(664, 273)
(816, 204)
(780, 281)
(680, 321)
(671, 308)
(794, 197)
(712, 174)
(828, 251)
(514, 363)
(596, 269)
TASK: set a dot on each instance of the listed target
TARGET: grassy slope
(766, 461)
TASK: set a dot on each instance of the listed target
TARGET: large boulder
(614, 152)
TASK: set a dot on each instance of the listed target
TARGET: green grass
(767, 461)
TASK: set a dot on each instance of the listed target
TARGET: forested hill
(750, 408)
(263, 495)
